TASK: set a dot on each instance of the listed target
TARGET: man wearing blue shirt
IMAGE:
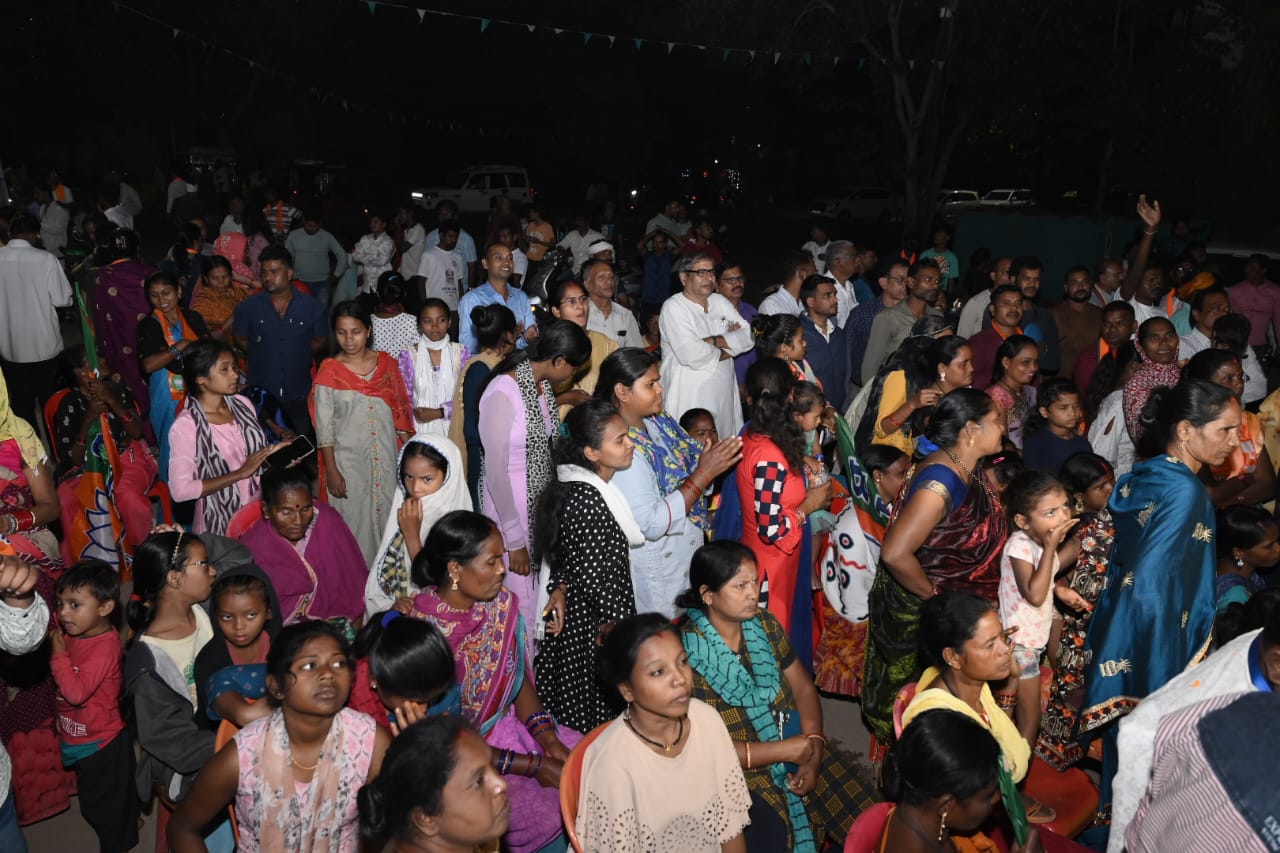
(282, 330)
(826, 348)
(497, 290)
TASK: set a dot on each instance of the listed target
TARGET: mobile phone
(295, 451)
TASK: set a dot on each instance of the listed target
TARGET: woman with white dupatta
(431, 369)
(432, 484)
(586, 533)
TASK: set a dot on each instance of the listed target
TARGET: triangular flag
(724, 57)
(557, 31)
(776, 57)
(422, 13)
(670, 46)
(807, 57)
(176, 32)
(638, 43)
(484, 24)
(911, 63)
(586, 37)
(752, 53)
(345, 107)
(611, 38)
(373, 4)
(530, 27)
(835, 60)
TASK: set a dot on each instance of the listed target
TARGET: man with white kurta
(701, 333)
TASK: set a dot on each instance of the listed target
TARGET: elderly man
(842, 269)
(701, 333)
(604, 315)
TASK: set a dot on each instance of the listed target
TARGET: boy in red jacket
(86, 666)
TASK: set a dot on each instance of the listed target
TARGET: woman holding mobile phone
(216, 445)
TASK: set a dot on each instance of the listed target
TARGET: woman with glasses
(568, 301)
(702, 332)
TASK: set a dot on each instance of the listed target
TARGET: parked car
(1008, 198)
(951, 201)
(860, 203)
(475, 188)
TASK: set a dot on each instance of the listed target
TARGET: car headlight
(415, 194)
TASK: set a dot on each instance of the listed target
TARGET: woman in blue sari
(1154, 618)
(163, 338)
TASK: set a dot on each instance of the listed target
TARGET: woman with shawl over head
(666, 483)
(432, 484)
(362, 414)
(163, 337)
(518, 417)
(234, 248)
(216, 445)
(803, 791)
(1154, 617)
(946, 533)
(495, 329)
(120, 303)
(460, 571)
(588, 532)
(1158, 352)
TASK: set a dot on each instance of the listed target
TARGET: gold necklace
(626, 718)
(304, 768)
(969, 475)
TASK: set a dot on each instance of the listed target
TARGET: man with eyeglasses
(892, 327)
(701, 333)
(857, 331)
(731, 282)
(603, 314)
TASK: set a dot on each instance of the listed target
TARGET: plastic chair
(571, 781)
(865, 834)
(226, 732)
(247, 516)
(50, 410)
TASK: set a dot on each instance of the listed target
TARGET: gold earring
(455, 583)
(1183, 444)
(971, 439)
(1079, 505)
(942, 827)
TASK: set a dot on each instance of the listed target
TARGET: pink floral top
(1033, 623)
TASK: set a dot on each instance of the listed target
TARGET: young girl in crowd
(395, 330)
(1037, 505)
(1247, 541)
(172, 577)
(231, 669)
(431, 485)
(782, 336)
(586, 533)
(999, 469)
(373, 252)
(164, 335)
(362, 413)
(1053, 431)
(403, 672)
(294, 775)
(431, 366)
(1088, 479)
(1017, 361)
(217, 445)
(438, 792)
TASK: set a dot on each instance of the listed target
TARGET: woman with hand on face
(664, 775)
(404, 672)
(666, 483)
(518, 417)
(438, 792)
(362, 415)
(744, 667)
(1247, 478)
(216, 444)
(293, 776)
(460, 570)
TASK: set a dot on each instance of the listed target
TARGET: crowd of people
(448, 543)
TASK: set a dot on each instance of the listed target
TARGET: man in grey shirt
(893, 325)
(311, 247)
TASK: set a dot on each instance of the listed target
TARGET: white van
(476, 188)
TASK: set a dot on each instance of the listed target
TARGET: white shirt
(972, 314)
(519, 263)
(781, 302)
(177, 189)
(818, 253)
(130, 200)
(620, 326)
(1191, 343)
(1255, 380)
(415, 241)
(53, 227)
(230, 226)
(578, 243)
(22, 630)
(1146, 312)
(1223, 672)
(693, 374)
(32, 285)
(445, 272)
(119, 216)
(846, 300)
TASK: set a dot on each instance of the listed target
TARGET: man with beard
(1118, 326)
(1038, 323)
(857, 330)
(892, 327)
(975, 315)
(1076, 317)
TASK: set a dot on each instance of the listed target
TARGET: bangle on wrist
(801, 515)
(747, 744)
(535, 764)
(1150, 233)
(817, 736)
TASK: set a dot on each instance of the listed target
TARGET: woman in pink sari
(460, 570)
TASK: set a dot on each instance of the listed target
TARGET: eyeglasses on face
(702, 273)
(574, 300)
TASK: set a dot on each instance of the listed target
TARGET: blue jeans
(320, 292)
(11, 840)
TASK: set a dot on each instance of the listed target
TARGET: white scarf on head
(613, 499)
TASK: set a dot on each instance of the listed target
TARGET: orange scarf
(1017, 330)
(176, 389)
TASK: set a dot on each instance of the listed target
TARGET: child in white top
(1038, 507)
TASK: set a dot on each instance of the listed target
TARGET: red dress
(771, 492)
